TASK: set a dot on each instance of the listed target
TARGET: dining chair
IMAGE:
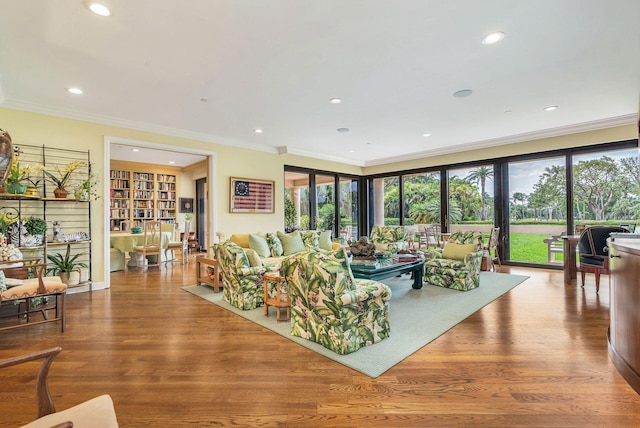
(151, 246)
(593, 251)
(182, 246)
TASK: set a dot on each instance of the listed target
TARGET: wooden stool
(281, 301)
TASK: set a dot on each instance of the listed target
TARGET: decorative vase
(3, 189)
(60, 193)
(31, 191)
(72, 278)
(82, 194)
(16, 188)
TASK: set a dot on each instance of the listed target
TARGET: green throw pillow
(291, 243)
(254, 258)
(457, 251)
(325, 240)
(259, 244)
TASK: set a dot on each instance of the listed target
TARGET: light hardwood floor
(535, 357)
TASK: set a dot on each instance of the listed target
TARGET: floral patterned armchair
(242, 282)
(389, 239)
(457, 265)
(332, 308)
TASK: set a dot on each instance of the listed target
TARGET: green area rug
(416, 316)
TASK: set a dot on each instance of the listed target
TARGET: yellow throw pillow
(457, 251)
(241, 239)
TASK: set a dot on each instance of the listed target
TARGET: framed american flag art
(249, 195)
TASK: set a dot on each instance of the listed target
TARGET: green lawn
(530, 248)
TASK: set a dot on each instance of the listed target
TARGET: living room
(508, 364)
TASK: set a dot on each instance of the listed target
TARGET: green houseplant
(66, 265)
(61, 178)
(36, 226)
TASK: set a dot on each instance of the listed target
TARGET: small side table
(281, 301)
(204, 278)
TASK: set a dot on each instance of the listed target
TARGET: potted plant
(18, 174)
(87, 189)
(36, 227)
(61, 178)
(66, 266)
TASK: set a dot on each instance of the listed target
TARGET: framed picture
(186, 205)
(249, 195)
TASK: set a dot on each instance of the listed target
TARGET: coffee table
(387, 268)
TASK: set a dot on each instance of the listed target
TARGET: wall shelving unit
(73, 215)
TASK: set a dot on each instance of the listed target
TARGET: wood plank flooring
(535, 357)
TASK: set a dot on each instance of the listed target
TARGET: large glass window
(471, 198)
(326, 206)
(537, 210)
(386, 201)
(349, 209)
(296, 201)
(606, 188)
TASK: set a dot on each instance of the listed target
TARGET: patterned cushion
(275, 246)
(311, 238)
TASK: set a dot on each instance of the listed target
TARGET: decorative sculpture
(362, 247)
(58, 236)
(6, 155)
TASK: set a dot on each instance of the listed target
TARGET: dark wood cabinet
(624, 301)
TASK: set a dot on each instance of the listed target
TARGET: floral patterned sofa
(457, 265)
(246, 257)
(332, 308)
(389, 239)
(242, 283)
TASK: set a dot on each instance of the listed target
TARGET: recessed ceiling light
(172, 162)
(492, 38)
(75, 91)
(343, 129)
(462, 93)
(352, 151)
(426, 135)
(550, 108)
(135, 150)
(258, 131)
(335, 100)
(98, 8)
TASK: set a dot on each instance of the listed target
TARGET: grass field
(530, 248)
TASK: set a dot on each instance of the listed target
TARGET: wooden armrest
(43, 397)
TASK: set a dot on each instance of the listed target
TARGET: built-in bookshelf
(141, 192)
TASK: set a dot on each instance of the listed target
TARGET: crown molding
(511, 139)
(130, 124)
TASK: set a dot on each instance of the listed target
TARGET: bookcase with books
(140, 192)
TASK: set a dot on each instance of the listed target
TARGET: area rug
(417, 317)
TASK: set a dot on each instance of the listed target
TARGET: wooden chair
(33, 295)
(594, 252)
(97, 412)
(152, 245)
(554, 246)
(492, 245)
(434, 236)
(182, 246)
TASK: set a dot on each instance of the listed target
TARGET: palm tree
(480, 176)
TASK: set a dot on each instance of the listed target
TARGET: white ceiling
(275, 64)
(144, 154)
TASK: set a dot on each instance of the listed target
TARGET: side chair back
(594, 252)
(151, 244)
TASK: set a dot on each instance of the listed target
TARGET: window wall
(321, 200)
(532, 198)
